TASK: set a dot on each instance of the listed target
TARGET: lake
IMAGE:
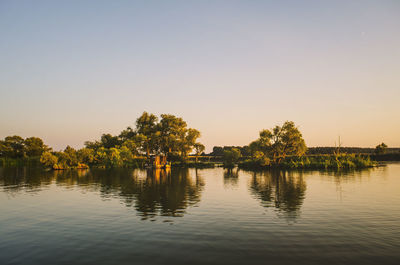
(203, 216)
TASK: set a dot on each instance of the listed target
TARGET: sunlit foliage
(169, 136)
(280, 142)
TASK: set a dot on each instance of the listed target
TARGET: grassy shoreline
(343, 161)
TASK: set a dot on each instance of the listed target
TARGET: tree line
(18, 147)
(168, 135)
(379, 149)
(318, 150)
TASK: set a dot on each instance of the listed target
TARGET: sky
(72, 70)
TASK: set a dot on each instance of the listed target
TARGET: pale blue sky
(72, 70)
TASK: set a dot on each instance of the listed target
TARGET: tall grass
(342, 161)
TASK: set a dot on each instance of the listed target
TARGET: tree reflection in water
(165, 193)
(231, 177)
(279, 189)
(17, 179)
(151, 193)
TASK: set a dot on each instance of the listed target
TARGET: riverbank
(344, 161)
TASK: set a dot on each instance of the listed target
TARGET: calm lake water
(204, 216)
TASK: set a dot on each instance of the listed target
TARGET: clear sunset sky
(72, 70)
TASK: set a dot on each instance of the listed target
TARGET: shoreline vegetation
(342, 161)
(281, 147)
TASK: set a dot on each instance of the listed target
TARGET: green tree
(93, 145)
(261, 159)
(132, 146)
(217, 151)
(231, 157)
(127, 134)
(198, 149)
(100, 157)
(114, 158)
(48, 159)
(169, 136)
(34, 146)
(381, 148)
(146, 127)
(109, 141)
(280, 142)
(171, 129)
(187, 141)
(68, 158)
(109, 158)
(85, 155)
(126, 155)
(141, 145)
(14, 146)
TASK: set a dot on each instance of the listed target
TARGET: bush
(48, 160)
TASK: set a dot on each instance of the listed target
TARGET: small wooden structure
(158, 161)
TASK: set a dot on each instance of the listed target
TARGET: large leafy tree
(16, 147)
(146, 127)
(13, 146)
(198, 149)
(187, 140)
(280, 142)
(68, 158)
(171, 130)
(34, 146)
(85, 155)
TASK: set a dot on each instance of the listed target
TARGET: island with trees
(168, 135)
(284, 147)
